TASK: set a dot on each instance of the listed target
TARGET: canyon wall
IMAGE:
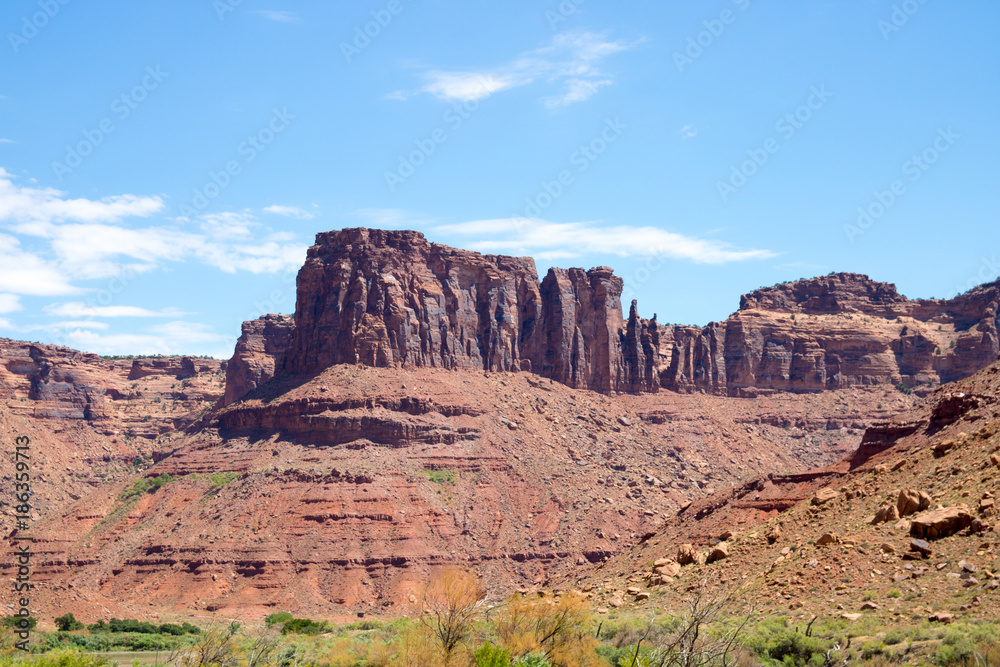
(832, 332)
(392, 299)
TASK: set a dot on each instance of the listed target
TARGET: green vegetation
(277, 619)
(68, 623)
(707, 629)
(15, 622)
(145, 485)
(440, 475)
(220, 479)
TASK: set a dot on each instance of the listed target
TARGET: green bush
(220, 479)
(489, 655)
(171, 629)
(276, 618)
(304, 626)
(190, 629)
(532, 660)
(15, 622)
(61, 658)
(68, 622)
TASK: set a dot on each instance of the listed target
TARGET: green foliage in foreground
(769, 641)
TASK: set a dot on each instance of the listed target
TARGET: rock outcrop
(390, 298)
(261, 343)
(833, 332)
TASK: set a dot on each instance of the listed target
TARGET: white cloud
(176, 337)
(81, 309)
(390, 218)
(279, 16)
(687, 132)
(10, 303)
(23, 272)
(36, 211)
(571, 59)
(289, 212)
(467, 86)
(564, 240)
(6, 141)
(577, 90)
(80, 324)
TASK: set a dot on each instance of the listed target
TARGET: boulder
(719, 552)
(885, 514)
(686, 555)
(935, 524)
(773, 535)
(827, 538)
(824, 496)
(912, 501)
(921, 547)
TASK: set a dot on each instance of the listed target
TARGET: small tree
(709, 632)
(556, 629)
(68, 622)
(452, 601)
(216, 647)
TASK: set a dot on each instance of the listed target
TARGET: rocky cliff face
(832, 332)
(260, 344)
(390, 298)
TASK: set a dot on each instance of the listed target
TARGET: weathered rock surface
(935, 524)
(391, 298)
(261, 343)
(831, 332)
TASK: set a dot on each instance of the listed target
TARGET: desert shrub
(489, 655)
(59, 658)
(532, 660)
(440, 475)
(220, 479)
(304, 626)
(68, 622)
(367, 624)
(558, 629)
(132, 625)
(171, 629)
(894, 636)
(16, 622)
(190, 629)
(277, 618)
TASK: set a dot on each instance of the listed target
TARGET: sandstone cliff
(260, 344)
(831, 332)
(390, 298)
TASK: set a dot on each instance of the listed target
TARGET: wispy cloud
(279, 16)
(687, 132)
(23, 272)
(10, 303)
(289, 212)
(572, 239)
(570, 62)
(83, 239)
(80, 309)
(6, 141)
(390, 218)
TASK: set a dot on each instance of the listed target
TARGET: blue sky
(165, 164)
